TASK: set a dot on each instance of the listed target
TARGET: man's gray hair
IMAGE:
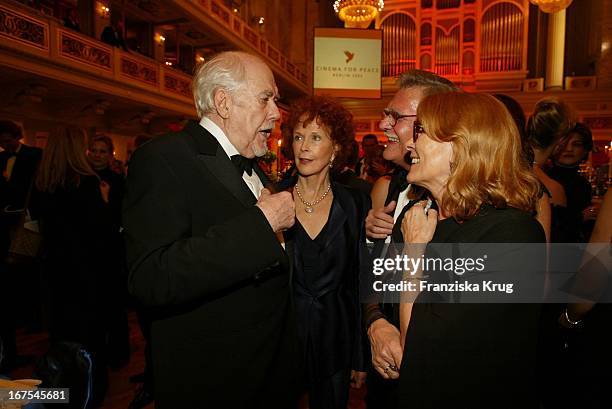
(226, 70)
(431, 83)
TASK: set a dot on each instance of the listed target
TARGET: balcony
(40, 45)
(234, 30)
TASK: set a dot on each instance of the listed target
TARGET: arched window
(426, 34)
(469, 32)
(501, 47)
(447, 52)
(399, 44)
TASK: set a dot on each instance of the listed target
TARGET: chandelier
(358, 13)
(551, 6)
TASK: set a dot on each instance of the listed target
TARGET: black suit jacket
(14, 191)
(205, 257)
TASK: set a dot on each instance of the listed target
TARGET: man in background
(18, 163)
(369, 145)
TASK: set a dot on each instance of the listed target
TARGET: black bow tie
(243, 164)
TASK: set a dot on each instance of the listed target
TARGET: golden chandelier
(551, 6)
(358, 13)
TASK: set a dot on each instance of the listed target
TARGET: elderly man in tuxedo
(202, 235)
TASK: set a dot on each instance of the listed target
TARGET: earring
(331, 162)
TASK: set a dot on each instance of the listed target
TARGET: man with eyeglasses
(389, 198)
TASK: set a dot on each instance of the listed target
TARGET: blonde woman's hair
(64, 161)
(488, 164)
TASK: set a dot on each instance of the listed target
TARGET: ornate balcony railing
(238, 27)
(45, 40)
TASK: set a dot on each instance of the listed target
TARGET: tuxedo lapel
(225, 171)
(265, 181)
(214, 159)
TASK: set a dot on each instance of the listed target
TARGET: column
(555, 50)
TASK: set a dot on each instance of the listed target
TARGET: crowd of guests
(249, 290)
(74, 196)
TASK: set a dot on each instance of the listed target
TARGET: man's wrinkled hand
(278, 208)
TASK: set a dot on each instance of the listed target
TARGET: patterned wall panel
(177, 84)
(133, 68)
(22, 28)
(78, 48)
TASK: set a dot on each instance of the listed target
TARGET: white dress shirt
(402, 201)
(253, 181)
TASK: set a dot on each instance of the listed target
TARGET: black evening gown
(325, 292)
(468, 356)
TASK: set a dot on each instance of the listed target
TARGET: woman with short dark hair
(572, 152)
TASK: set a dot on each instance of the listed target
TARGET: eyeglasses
(417, 130)
(394, 117)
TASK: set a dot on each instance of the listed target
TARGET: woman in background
(543, 212)
(75, 222)
(574, 151)
(547, 128)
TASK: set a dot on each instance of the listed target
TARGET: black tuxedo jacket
(204, 256)
(14, 191)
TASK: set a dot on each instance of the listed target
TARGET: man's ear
(223, 102)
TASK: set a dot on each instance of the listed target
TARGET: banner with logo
(347, 62)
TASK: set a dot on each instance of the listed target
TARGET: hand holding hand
(379, 222)
(278, 208)
(386, 348)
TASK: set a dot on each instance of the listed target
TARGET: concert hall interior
(121, 72)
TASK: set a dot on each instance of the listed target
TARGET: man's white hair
(226, 70)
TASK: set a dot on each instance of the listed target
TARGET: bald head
(228, 71)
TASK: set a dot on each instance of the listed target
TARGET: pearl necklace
(308, 206)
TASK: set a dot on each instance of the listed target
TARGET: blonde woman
(76, 227)
(466, 151)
